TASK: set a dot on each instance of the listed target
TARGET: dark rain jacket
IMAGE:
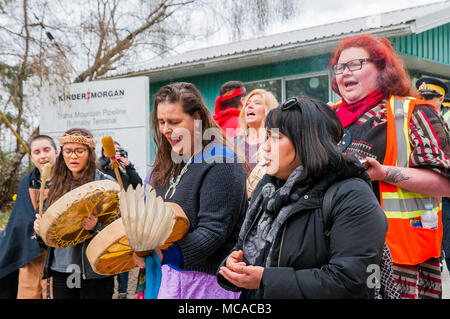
(17, 246)
(309, 264)
(129, 177)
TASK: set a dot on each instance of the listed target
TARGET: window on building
(313, 86)
(273, 86)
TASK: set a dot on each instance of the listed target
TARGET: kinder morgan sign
(119, 108)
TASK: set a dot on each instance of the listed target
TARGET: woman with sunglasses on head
(75, 166)
(287, 247)
(407, 148)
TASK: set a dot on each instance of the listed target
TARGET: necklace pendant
(173, 192)
(172, 187)
(174, 183)
(168, 190)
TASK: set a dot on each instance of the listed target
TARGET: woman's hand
(139, 261)
(247, 277)
(122, 160)
(36, 224)
(376, 170)
(235, 259)
(239, 274)
(89, 223)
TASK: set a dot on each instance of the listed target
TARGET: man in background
(228, 107)
(432, 90)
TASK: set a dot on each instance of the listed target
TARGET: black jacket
(17, 247)
(308, 264)
(129, 177)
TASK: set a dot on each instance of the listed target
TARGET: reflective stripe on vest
(401, 108)
(409, 245)
(407, 208)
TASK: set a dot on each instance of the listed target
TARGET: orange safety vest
(408, 245)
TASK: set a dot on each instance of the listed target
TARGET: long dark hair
(191, 100)
(62, 178)
(315, 131)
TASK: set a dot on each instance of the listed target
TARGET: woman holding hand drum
(73, 277)
(196, 170)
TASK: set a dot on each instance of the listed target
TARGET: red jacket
(228, 120)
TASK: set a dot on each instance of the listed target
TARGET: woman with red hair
(407, 149)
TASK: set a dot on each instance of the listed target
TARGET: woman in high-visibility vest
(407, 149)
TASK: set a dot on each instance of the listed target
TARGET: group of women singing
(279, 241)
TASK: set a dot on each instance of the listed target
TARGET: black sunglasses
(290, 103)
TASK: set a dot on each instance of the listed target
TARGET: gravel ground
(132, 284)
(133, 275)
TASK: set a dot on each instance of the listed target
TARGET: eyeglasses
(353, 65)
(78, 152)
(290, 103)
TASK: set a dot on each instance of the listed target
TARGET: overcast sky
(318, 12)
(311, 13)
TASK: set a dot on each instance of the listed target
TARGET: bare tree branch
(156, 16)
(84, 40)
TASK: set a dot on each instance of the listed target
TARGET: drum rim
(60, 206)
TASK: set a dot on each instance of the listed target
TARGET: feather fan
(148, 222)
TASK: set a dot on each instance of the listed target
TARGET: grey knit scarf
(272, 207)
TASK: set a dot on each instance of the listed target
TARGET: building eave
(247, 59)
